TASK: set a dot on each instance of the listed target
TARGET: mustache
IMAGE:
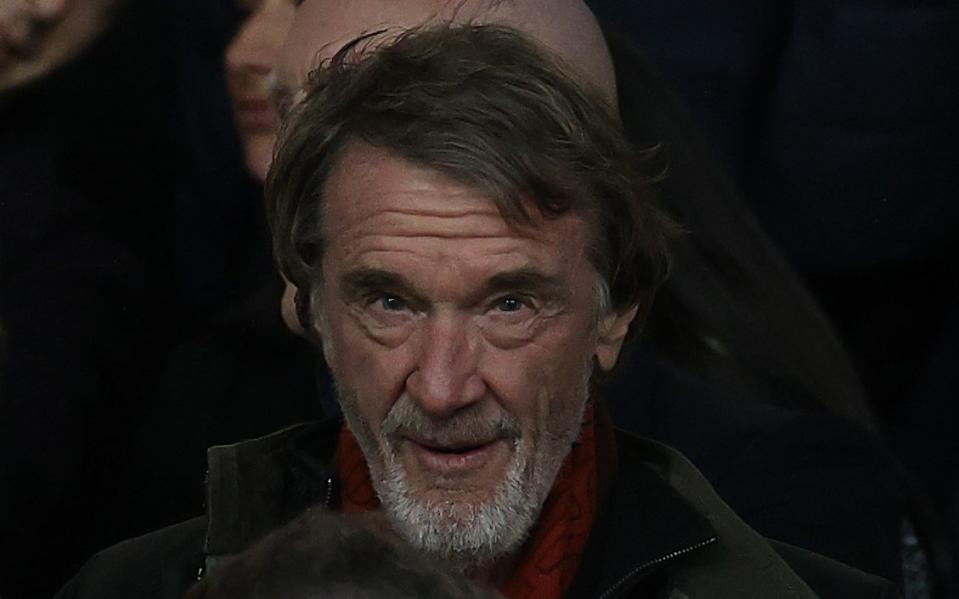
(473, 424)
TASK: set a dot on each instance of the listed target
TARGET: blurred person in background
(37, 36)
(250, 61)
(119, 165)
(241, 373)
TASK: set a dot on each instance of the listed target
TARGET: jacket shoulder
(741, 562)
(829, 578)
(157, 565)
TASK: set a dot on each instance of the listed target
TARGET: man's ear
(304, 314)
(295, 309)
(611, 334)
(289, 309)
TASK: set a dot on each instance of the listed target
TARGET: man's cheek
(518, 378)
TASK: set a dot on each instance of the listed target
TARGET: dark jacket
(660, 532)
(811, 480)
(733, 310)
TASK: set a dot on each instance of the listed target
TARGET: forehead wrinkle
(428, 224)
(380, 249)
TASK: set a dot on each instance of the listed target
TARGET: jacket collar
(642, 525)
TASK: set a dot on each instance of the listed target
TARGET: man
(731, 325)
(471, 242)
(811, 481)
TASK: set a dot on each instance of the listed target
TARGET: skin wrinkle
(552, 305)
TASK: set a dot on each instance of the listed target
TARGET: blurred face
(250, 59)
(37, 36)
(461, 346)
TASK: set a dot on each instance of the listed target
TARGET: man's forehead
(373, 195)
(567, 27)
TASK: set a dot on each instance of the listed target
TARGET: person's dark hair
(325, 555)
(489, 108)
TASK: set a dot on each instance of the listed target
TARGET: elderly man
(732, 313)
(472, 243)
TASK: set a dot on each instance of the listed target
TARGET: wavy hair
(488, 107)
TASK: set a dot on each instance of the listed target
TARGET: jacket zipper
(621, 584)
(329, 493)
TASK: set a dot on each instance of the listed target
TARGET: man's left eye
(509, 304)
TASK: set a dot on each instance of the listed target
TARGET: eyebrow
(362, 281)
(524, 279)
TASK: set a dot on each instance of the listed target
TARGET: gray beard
(465, 536)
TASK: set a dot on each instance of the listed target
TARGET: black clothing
(119, 234)
(659, 529)
(811, 480)
(838, 122)
(732, 312)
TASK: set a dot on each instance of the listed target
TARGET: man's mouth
(455, 457)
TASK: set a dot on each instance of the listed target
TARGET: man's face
(461, 346)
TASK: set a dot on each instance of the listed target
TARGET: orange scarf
(551, 555)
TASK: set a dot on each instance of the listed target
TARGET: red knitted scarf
(551, 555)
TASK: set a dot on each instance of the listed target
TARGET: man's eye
(509, 304)
(391, 303)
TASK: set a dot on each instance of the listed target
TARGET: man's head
(474, 237)
(322, 27)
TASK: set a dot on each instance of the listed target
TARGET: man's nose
(445, 378)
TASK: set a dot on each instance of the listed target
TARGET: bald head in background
(567, 27)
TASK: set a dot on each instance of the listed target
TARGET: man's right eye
(391, 303)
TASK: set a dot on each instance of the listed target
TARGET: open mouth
(455, 457)
(457, 448)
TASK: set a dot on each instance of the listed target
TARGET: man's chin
(468, 520)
